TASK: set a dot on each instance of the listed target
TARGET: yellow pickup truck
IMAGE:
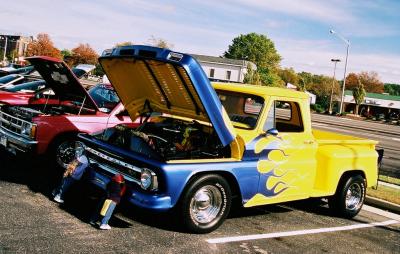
(201, 145)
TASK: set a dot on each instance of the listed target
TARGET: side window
(285, 116)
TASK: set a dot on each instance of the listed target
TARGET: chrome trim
(113, 171)
(15, 122)
(17, 140)
(111, 159)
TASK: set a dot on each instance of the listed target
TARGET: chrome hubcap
(206, 204)
(354, 197)
(65, 153)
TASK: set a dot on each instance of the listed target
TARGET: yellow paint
(308, 163)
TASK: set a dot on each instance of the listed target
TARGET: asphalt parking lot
(32, 223)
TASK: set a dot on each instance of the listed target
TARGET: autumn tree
(160, 42)
(370, 81)
(43, 46)
(83, 54)
(358, 95)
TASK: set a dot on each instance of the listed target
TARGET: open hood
(61, 80)
(150, 79)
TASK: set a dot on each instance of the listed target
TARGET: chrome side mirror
(273, 132)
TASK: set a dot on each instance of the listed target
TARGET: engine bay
(27, 113)
(165, 138)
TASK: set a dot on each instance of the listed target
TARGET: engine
(168, 139)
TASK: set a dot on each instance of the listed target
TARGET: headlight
(26, 129)
(79, 149)
(148, 180)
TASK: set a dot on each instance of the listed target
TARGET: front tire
(205, 204)
(349, 197)
(64, 151)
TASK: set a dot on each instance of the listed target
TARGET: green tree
(392, 89)
(260, 50)
(288, 75)
(358, 95)
(66, 53)
(252, 76)
(256, 48)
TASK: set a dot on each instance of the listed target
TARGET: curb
(376, 202)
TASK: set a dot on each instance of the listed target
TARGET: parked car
(15, 79)
(11, 70)
(207, 147)
(51, 126)
(33, 92)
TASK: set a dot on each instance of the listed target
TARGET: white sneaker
(58, 199)
(105, 226)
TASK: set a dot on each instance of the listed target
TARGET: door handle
(309, 142)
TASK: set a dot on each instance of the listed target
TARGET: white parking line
(396, 139)
(300, 232)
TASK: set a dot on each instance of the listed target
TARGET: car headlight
(148, 180)
(79, 149)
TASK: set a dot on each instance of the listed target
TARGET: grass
(389, 179)
(385, 193)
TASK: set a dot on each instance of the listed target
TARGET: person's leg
(108, 215)
(67, 183)
(96, 214)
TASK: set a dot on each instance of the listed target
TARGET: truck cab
(200, 145)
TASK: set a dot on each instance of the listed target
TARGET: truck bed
(331, 138)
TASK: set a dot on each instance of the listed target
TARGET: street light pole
(345, 67)
(335, 61)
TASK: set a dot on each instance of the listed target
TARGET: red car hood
(61, 80)
(15, 98)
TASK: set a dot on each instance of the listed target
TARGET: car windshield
(243, 109)
(8, 78)
(27, 87)
(104, 96)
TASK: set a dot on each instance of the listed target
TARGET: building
(374, 103)
(224, 69)
(13, 46)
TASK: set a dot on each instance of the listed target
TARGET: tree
(43, 46)
(252, 76)
(370, 81)
(83, 54)
(126, 43)
(288, 75)
(260, 50)
(66, 53)
(160, 42)
(358, 95)
(256, 48)
(392, 89)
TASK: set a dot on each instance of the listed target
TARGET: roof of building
(215, 59)
(376, 96)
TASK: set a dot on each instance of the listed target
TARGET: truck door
(287, 162)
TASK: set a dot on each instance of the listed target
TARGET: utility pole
(335, 61)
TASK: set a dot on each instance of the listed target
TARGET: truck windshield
(243, 109)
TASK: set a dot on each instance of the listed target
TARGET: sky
(299, 29)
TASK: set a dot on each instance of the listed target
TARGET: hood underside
(149, 79)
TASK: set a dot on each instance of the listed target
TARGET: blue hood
(150, 79)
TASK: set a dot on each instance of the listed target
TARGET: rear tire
(205, 204)
(349, 197)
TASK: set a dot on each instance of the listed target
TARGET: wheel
(205, 204)
(349, 197)
(64, 151)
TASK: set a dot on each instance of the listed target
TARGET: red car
(51, 126)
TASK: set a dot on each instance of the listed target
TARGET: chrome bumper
(13, 142)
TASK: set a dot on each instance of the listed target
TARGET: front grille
(110, 163)
(12, 123)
